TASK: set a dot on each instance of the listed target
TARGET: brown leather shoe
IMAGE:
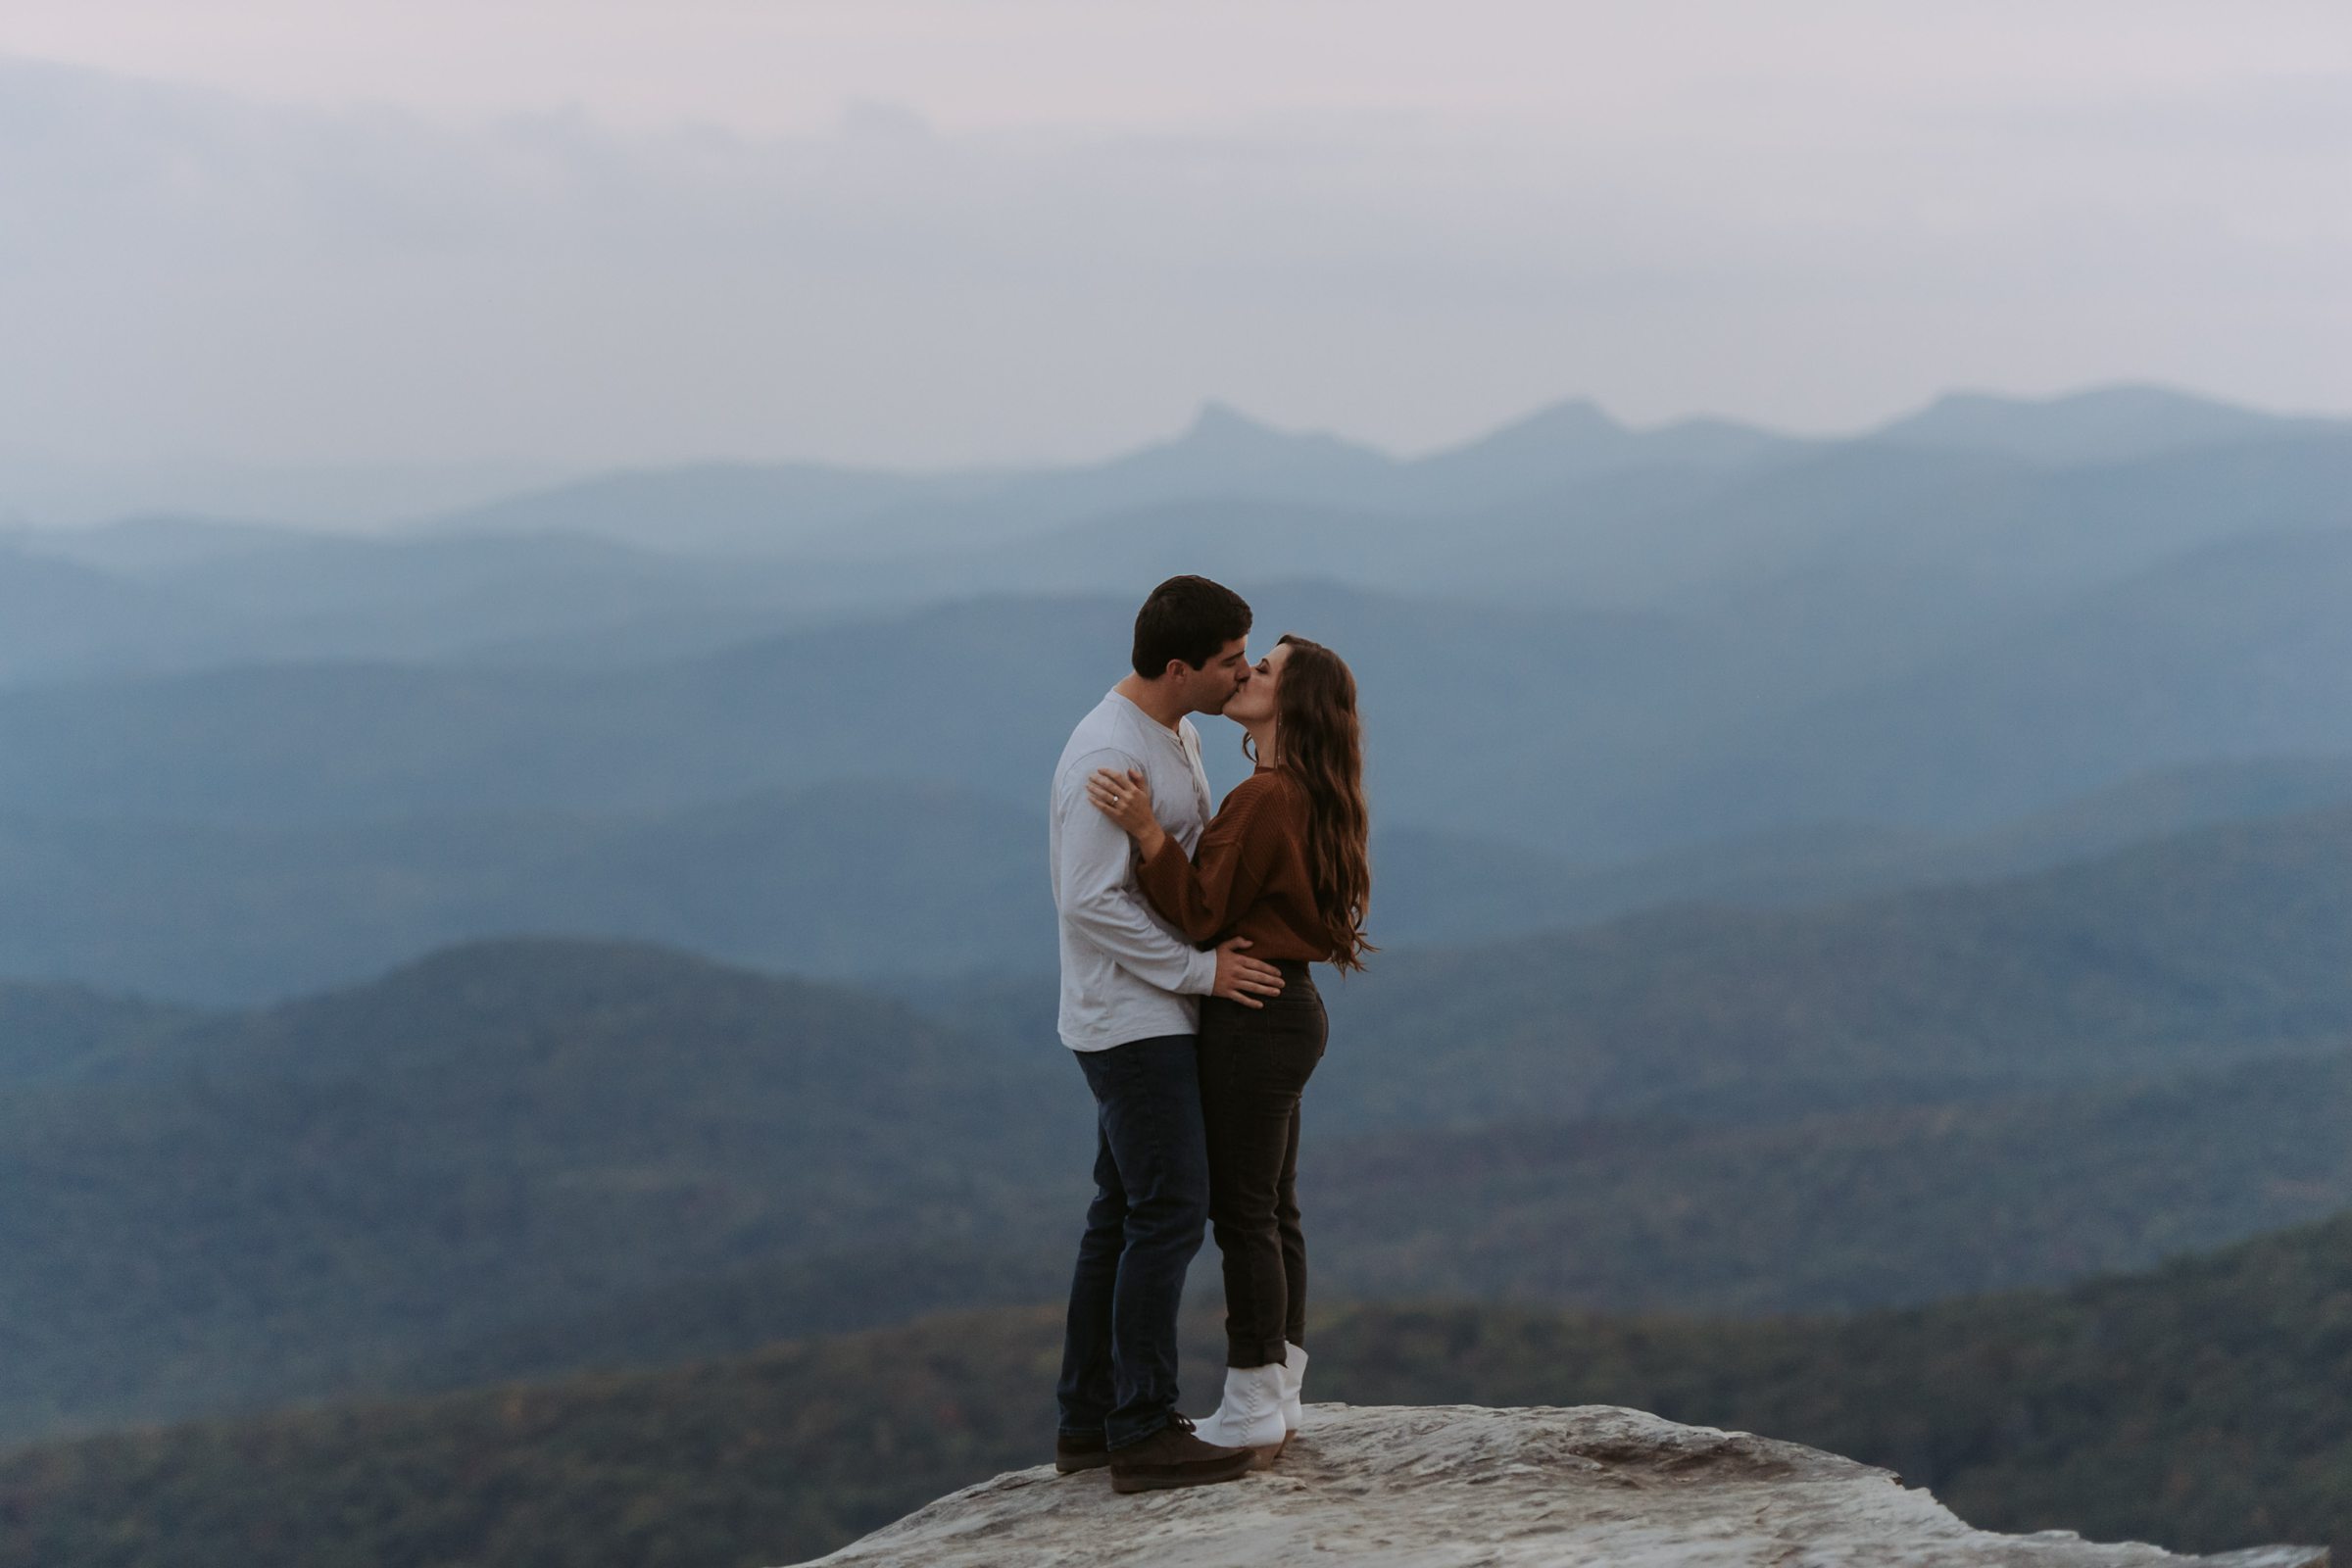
(1073, 1454)
(1173, 1457)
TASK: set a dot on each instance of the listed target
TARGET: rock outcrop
(1466, 1487)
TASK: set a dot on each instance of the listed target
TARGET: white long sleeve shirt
(1126, 973)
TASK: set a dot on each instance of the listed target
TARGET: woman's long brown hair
(1322, 747)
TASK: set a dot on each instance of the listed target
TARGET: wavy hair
(1322, 745)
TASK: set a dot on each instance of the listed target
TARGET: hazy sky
(889, 230)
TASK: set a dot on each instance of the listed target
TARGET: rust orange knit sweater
(1249, 878)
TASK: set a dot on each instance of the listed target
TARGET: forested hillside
(544, 1144)
(2194, 1406)
(2198, 948)
(301, 1200)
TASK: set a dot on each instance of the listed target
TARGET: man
(1130, 1011)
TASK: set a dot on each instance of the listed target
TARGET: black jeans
(1253, 1064)
(1118, 1354)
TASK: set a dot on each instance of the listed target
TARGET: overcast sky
(917, 232)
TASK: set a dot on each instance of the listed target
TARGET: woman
(1284, 865)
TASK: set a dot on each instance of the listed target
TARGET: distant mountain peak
(1217, 417)
(1570, 425)
(1223, 440)
(2094, 425)
(1220, 427)
(2135, 395)
(1576, 438)
(1568, 418)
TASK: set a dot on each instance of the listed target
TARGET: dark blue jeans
(1118, 1356)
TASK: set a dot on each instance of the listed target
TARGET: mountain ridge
(2116, 1408)
(2091, 424)
(506, 1114)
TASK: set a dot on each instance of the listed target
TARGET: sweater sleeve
(1097, 896)
(1207, 894)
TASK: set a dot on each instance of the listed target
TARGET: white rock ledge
(1467, 1487)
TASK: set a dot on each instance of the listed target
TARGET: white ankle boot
(1293, 1380)
(1251, 1414)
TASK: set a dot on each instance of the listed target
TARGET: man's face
(1210, 688)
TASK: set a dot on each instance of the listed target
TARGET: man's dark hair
(1187, 619)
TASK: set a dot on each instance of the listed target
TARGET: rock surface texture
(1467, 1487)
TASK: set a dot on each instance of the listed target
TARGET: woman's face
(1254, 702)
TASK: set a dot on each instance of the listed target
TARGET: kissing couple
(1186, 998)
